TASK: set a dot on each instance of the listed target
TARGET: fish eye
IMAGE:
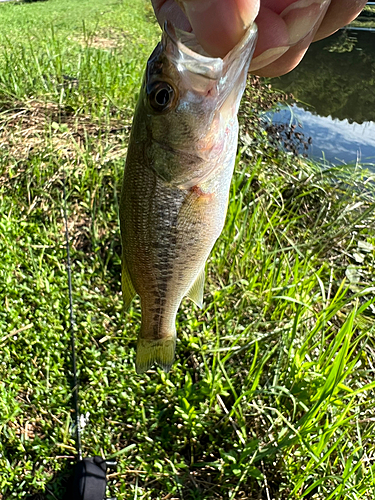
(161, 96)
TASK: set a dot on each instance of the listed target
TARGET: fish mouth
(221, 78)
(185, 52)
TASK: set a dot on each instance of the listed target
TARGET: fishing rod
(89, 480)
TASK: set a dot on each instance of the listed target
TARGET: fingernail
(267, 57)
(301, 17)
(248, 10)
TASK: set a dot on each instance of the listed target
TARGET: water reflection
(334, 140)
(336, 80)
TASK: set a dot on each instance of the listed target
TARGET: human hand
(286, 27)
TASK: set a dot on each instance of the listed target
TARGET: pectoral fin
(128, 291)
(196, 291)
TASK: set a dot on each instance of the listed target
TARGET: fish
(180, 160)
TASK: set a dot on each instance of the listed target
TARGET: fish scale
(176, 181)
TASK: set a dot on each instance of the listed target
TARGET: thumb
(219, 24)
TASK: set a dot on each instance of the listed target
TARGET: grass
(272, 392)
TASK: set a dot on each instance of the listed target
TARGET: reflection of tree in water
(336, 77)
(343, 43)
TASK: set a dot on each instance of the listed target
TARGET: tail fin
(159, 351)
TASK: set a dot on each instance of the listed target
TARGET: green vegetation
(366, 18)
(272, 392)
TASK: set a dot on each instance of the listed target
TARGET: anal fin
(196, 291)
(128, 291)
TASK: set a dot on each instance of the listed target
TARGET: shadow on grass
(58, 487)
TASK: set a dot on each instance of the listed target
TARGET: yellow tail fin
(159, 351)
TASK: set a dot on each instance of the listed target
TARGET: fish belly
(167, 235)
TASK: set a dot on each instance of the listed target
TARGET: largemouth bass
(176, 182)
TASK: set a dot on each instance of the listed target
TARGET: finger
(277, 6)
(281, 48)
(168, 9)
(273, 38)
(286, 62)
(339, 14)
(220, 24)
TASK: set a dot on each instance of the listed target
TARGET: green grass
(89, 56)
(272, 392)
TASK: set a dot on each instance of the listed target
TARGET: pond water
(335, 88)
